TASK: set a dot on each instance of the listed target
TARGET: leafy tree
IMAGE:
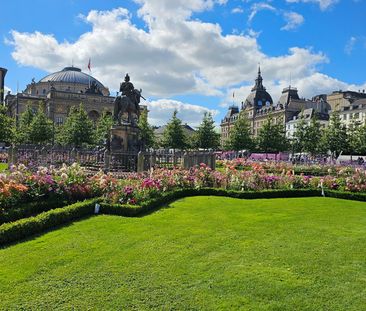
(78, 128)
(354, 139)
(335, 136)
(41, 128)
(146, 132)
(206, 136)
(103, 127)
(23, 129)
(362, 138)
(6, 126)
(298, 141)
(174, 136)
(312, 137)
(241, 135)
(272, 137)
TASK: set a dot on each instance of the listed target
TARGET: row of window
(349, 116)
(59, 120)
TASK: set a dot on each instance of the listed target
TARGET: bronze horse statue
(129, 104)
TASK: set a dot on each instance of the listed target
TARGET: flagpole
(89, 67)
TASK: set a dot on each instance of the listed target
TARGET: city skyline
(190, 55)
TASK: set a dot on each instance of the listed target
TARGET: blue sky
(190, 55)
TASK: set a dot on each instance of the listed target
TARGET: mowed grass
(203, 253)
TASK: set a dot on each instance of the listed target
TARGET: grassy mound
(205, 253)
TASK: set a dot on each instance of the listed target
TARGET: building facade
(258, 106)
(307, 115)
(227, 123)
(340, 99)
(60, 91)
(355, 112)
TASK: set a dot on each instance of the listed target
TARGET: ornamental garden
(249, 234)
(180, 232)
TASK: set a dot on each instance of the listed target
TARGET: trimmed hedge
(30, 209)
(26, 227)
(167, 197)
(347, 195)
(23, 228)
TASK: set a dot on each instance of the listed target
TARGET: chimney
(3, 72)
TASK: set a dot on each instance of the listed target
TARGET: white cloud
(355, 42)
(7, 89)
(174, 56)
(160, 111)
(309, 86)
(323, 4)
(153, 10)
(257, 7)
(237, 10)
(293, 20)
(350, 45)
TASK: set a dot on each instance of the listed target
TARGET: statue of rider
(128, 89)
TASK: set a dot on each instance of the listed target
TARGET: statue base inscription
(124, 137)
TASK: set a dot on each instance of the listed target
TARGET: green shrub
(347, 195)
(30, 209)
(120, 210)
(168, 197)
(26, 227)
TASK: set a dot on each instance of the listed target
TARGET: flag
(89, 65)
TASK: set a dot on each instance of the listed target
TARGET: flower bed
(153, 184)
(277, 167)
(72, 183)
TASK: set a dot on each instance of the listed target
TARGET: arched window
(93, 115)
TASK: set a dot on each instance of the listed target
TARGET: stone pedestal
(124, 138)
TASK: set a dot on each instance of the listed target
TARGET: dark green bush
(26, 227)
(347, 195)
(25, 210)
(168, 197)
(120, 210)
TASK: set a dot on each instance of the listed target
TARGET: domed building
(258, 106)
(61, 90)
(258, 97)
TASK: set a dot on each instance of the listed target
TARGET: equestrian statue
(128, 102)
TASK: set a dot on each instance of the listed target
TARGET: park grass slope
(208, 253)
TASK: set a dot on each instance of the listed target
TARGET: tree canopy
(6, 126)
(335, 136)
(206, 136)
(78, 128)
(41, 128)
(272, 137)
(104, 125)
(146, 132)
(174, 136)
(240, 136)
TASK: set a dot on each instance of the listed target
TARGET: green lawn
(204, 253)
(3, 166)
